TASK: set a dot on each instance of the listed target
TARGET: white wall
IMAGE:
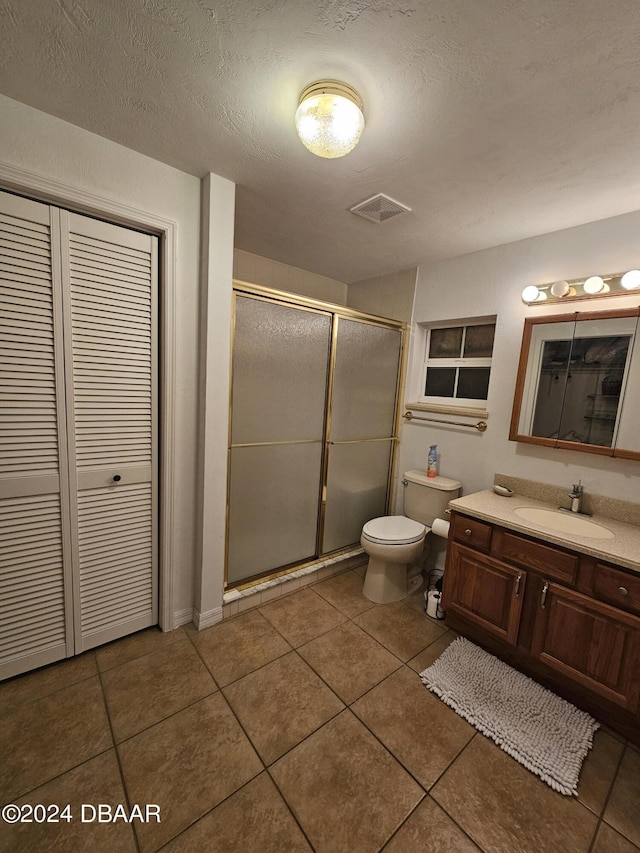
(490, 282)
(255, 269)
(35, 142)
(390, 295)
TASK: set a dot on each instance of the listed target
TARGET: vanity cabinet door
(484, 591)
(591, 643)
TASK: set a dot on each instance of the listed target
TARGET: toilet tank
(427, 498)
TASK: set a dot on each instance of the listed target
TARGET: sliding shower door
(361, 435)
(279, 392)
(312, 431)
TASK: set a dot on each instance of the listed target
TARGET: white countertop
(623, 549)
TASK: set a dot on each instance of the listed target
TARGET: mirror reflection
(573, 382)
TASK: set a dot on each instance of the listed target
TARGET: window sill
(464, 411)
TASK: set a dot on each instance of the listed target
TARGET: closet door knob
(116, 478)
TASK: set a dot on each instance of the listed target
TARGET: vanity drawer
(617, 587)
(476, 534)
(548, 561)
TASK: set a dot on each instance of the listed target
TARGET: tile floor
(300, 725)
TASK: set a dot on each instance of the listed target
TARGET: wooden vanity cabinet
(485, 591)
(539, 607)
(590, 643)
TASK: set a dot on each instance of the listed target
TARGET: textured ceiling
(493, 120)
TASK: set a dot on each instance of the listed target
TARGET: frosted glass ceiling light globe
(594, 284)
(631, 280)
(329, 118)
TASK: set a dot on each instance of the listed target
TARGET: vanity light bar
(614, 284)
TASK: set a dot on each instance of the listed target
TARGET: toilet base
(387, 582)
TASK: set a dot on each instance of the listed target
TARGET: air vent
(379, 208)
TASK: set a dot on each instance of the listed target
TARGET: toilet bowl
(395, 543)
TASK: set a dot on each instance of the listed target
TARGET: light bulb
(594, 284)
(329, 118)
(530, 293)
(560, 288)
(631, 280)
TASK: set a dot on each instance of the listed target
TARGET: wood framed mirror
(578, 383)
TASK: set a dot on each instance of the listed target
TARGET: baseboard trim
(182, 617)
(206, 619)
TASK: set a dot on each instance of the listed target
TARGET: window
(458, 363)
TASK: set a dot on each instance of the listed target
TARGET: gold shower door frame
(336, 312)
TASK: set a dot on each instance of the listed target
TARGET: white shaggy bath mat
(547, 735)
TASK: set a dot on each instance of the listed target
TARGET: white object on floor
(546, 734)
(434, 606)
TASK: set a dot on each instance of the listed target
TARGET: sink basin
(563, 522)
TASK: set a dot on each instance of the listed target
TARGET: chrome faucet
(576, 495)
(577, 491)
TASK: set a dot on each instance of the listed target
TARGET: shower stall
(314, 413)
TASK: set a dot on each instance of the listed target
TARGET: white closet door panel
(107, 327)
(35, 627)
(111, 304)
(28, 401)
(116, 545)
(32, 583)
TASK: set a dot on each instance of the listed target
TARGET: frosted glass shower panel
(365, 381)
(280, 357)
(356, 490)
(273, 507)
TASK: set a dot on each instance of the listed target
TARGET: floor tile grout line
(180, 629)
(344, 704)
(244, 784)
(123, 780)
(428, 796)
(476, 734)
(358, 720)
(209, 811)
(167, 717)
(395, 757)
(206, 666)
(402, 823)
(265, 767)
(324, 633)
(48, 693)
(30, 791)
(601, 819)
(290, 809)
(173, 713)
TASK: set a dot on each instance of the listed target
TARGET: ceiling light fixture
(595, 286)
(329, 118)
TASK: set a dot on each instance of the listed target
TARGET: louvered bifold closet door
(110, 292)
(35, 611)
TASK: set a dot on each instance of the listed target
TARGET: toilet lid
(394, 530)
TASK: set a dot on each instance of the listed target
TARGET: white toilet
(394, 543)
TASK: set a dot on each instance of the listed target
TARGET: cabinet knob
(467, 532)
(116, 478)
(623, 590)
